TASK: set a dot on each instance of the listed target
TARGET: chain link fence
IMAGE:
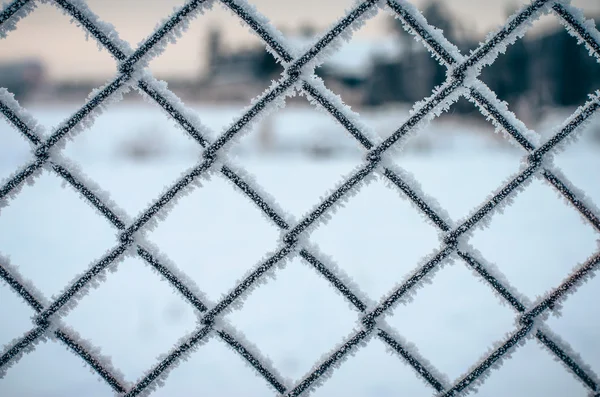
(462, 80)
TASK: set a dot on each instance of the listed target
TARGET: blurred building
(231, 74)
(22, 78)
(235, 75)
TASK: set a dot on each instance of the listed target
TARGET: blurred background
(219, 64)
(297, 154)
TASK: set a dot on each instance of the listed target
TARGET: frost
(421, 115)
(154, 91)
(343, 284)
(26, 290)
(321, 213)
(571, 128)
(498, 41)
(183, 349)
(246, 183)
(104, 33)
(159, 209)
(260, 25)
(92, 356)
(53, 330)
(167, 31)
(19, 118)
(84, 118)
(572, 195)
(271, 99)
(489, 273)
(18, 347)
(11, 186)
(404, 291)
(584, 30)
(323, 369)
(331, 104)
(503, 119)
(425, 370)
(299, 78)
(317, 52)
(448, 55)
(14, 12)
(88, 190)
(25, 124)
(554, 298)
(190, 123)
(431, 211)
(82, 283)
(253, 357)
(253, 278)
(562, 352)
(168, 271)
(432, 38)
(493, 359)
(496, 202)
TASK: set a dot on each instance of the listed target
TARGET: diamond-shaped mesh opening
(299, 18)
(582, 155)
(545, 70)
(46, 231)
(579, 322)
(58, 372)
(447, 160)
(301, 317)
(374, 371)
(14, 149)
(135, 132)
(218, 117)
(300, 131)
(389, 238)
(215, 370)
(544, 240)
(396, 70)
(460, 131)
(150, 317)
(16, 312)
(456, 22)
(37, 50)
(518, 377)
(306, 385)
(123, 147)
(386, 119)
(312, 180)
(217, 62)
(119, 16)
(453, 321)
(215, 235)
(50, 115)
(381, 66)
(588, 135)
(255, 141)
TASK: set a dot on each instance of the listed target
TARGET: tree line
(549, 69)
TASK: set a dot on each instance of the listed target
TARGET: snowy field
(215, 235)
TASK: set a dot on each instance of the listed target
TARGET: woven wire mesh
(298, 76)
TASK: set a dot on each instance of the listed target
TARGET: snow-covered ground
(215, 235)
(295, 130)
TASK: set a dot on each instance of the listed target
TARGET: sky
(46, 34)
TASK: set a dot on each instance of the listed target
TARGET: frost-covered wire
(299, 75)
(84, 349)
(42, 153)
(158, 263)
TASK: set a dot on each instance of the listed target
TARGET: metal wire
(132, 62)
